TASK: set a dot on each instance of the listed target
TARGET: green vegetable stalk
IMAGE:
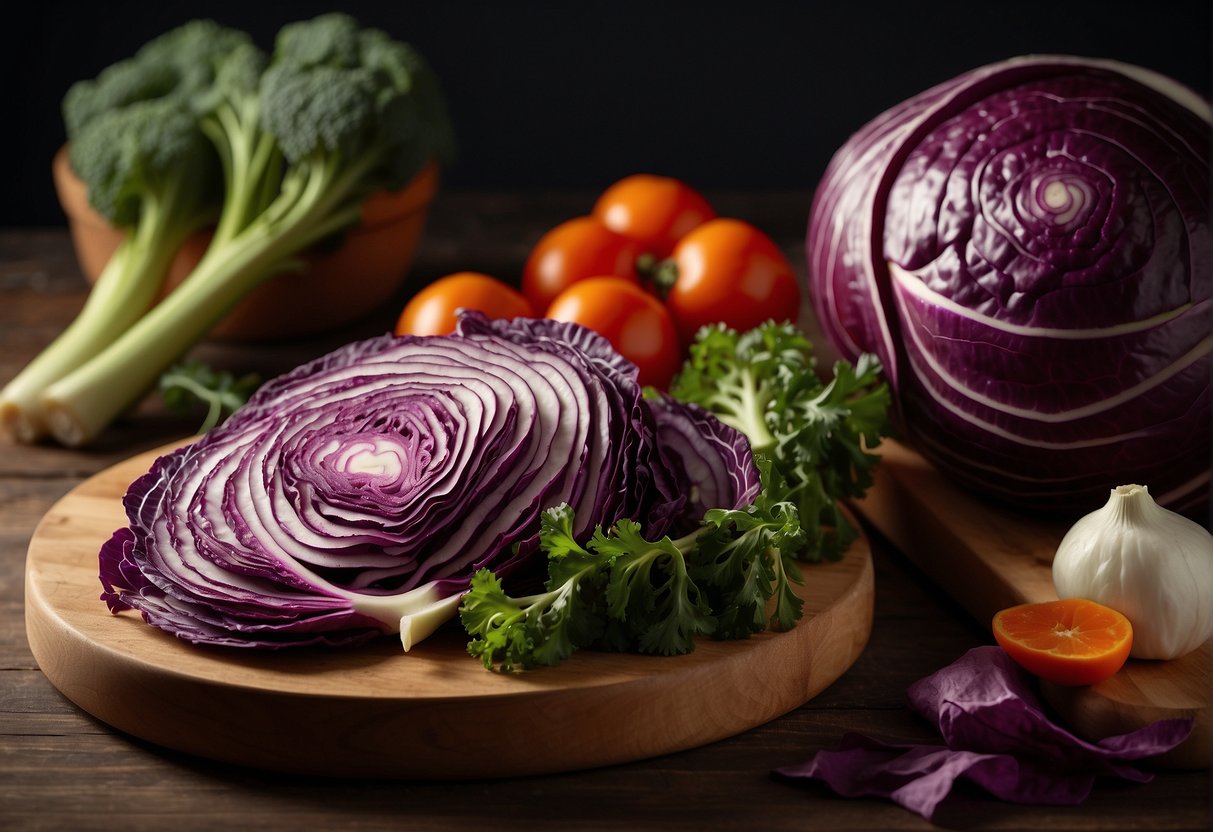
(151, 172)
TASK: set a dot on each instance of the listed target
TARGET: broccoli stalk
(82, 403)
(136, 144)
(343, 112)
(123, 291)
(230, 115)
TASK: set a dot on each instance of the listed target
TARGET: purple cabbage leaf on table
(996, 734)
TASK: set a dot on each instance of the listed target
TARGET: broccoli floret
(338, 114)
(334, 89)
(149, 157)
(178, 64)
(148, 168)
(333, 39)
(115, 88)
(195, 49)
(319, 111)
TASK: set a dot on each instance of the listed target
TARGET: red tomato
(432, 310)
(635, 322)
(655, 211)
(574, 250)
(730, 272)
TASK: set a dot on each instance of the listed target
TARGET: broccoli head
(179, 64)
(333, 88)
(333, 39)
(147, 151)
(319, 110)
(118, 86)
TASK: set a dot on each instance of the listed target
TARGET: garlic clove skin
(1152, 565)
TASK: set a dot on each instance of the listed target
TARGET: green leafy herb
(734, 575)
(626, 593)
(650, 591)
(817, 433)
(749, 557)
(542, 629)
(186, 385)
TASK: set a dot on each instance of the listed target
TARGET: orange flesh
(1071, 642)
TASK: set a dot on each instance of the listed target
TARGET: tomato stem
(662, 274)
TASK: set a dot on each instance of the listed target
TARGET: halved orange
(1071, 642)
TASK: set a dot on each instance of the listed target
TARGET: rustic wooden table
(61, 769)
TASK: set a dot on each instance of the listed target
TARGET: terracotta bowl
(334, 287)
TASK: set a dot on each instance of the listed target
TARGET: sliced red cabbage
(1027, 249)
(358, 493)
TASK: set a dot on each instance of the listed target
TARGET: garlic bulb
(1152, 565)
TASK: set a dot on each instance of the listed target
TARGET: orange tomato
(727, 271)
(574, 250)
(655, 211)
(1071, 642)
(637, 325)
(432, 310)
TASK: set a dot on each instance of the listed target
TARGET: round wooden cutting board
(433, 713)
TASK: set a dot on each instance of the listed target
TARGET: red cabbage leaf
(996, 734)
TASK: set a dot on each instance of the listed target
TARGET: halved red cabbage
(1027, 249)
(359, 493)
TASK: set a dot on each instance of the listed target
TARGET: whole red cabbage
(361, 491)
(1027, 249)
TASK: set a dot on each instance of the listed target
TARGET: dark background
(750, 94)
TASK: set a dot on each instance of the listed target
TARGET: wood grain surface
(435, 712)
(989, 559)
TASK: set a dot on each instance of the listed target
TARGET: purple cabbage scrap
(996, 734)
